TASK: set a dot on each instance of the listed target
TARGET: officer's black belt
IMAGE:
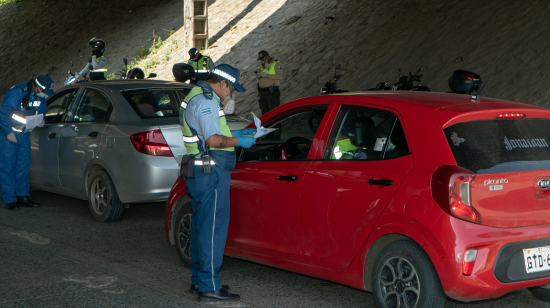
(275, 88)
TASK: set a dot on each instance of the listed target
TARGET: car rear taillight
(459, 197)
(511, 115)
(451, 190)
(151, 143)
(469, 261)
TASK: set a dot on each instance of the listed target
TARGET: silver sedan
(112, 143)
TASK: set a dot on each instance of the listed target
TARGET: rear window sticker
(379, 144)
(524, 143)
(456, 140)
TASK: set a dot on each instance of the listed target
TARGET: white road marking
(32, 237)
(93, 282)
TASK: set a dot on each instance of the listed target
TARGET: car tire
(103, 198)
(182, 231)
(403, 272)
(541, 293)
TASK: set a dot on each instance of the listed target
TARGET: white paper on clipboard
(32, 122)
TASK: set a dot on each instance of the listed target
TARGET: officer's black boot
(11, 206)
(195, 288)
(218, 295)
(26, 201)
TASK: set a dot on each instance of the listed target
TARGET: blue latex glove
(244, 132)
(246, 142)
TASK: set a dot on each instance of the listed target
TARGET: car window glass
(158, 103)
(59, 106)
(362, 133)
(94, 106)
(291, 141)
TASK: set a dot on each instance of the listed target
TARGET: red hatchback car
(413, 196)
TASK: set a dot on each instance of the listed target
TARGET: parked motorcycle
(405, 83)
(70, 78)
(134, 73)
(331, 87)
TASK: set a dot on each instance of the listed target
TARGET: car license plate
(537, 259)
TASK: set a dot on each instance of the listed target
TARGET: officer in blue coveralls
(15, 149)
(207, 137)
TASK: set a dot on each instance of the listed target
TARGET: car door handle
(51, 136)
(93, 135)
(288, 178)
(380, 182)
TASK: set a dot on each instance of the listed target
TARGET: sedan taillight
(151, 143)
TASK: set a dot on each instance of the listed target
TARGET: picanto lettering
(524, 143)
(493, 182)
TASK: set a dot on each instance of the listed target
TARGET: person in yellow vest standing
(201, 63)
(270, 76)
(98, 64)
(210, 156)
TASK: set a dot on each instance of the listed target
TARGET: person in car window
(207, 137)
(98, 64)
(20, 101)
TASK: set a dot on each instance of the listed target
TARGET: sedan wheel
(103, 198)
(403, 276)
(183, 232)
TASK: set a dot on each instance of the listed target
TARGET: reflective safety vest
(28, 107)
(100, 73)
(343, 149)
(202, 64)
(190, 137)
(271, 69)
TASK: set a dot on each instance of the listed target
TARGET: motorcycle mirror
(152, 75)
(125, 61)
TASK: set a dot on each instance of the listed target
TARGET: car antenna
(478, 96)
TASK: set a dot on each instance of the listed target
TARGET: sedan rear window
(501, 145)
(156, 103)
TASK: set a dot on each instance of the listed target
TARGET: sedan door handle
(380, 182)
(51, 136)
(93, 135)
(288, 178)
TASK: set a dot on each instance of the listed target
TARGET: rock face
(373, 40)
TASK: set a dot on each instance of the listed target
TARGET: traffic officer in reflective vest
(270, 76)
(98, 64)
(207, 137)
(201, 63)
(20, 101)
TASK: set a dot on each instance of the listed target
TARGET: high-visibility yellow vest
(202, 64)
(271, 69)
(190, 138)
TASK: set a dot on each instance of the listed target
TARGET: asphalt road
(57, 255)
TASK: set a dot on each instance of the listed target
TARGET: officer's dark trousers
(269, 100)
(210, 193)
(15, 163)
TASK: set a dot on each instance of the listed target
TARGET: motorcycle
(134, 73)
(331, 87)
(71, 77)
(405, 83)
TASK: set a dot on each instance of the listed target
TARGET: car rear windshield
(156, 103)
(501, 145)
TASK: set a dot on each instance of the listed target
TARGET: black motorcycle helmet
(183, 72)
(136, 73)
(99, 44)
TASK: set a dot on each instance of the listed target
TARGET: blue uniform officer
(20, 101)
(208, 138)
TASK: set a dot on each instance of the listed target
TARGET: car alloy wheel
(184, 235)
(404, 277)
(399, 283)
(99, 196)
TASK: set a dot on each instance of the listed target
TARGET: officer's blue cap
(45, 83)
(230, 73)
